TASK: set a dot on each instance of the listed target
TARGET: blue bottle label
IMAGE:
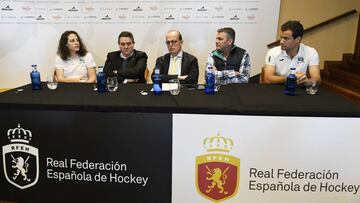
(210, 83)
(101, 82)
(35, 80)
(290, 85)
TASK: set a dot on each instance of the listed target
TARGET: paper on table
(168, 86)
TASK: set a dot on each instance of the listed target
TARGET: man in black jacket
(177, 64)
(127, 64)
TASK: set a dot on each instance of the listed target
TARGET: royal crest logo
(20, 160)
(217, 172)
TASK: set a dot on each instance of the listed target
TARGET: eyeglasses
(171, 42)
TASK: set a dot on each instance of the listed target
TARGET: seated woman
(73, 63)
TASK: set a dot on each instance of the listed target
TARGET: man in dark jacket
(127, 64)
(177, 64)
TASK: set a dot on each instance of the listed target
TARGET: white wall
(26, 40)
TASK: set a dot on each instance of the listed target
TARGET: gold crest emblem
(217, 172)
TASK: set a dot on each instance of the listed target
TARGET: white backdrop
(265, 143)
(30, 29)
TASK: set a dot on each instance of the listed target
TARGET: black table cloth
(236, 99)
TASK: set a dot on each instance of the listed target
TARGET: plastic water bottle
(101, 80)
(209, 76)
(290, 85)
(35, 78)
(157, 84)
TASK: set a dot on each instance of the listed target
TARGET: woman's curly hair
(63, 50)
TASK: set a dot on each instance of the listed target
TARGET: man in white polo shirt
(291, 53)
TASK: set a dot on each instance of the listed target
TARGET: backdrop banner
(265, 159)
(64, 156)
(31, 29)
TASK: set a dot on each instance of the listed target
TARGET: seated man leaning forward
(231, 63)
(177, 64)
(127, 64)
(291, 54)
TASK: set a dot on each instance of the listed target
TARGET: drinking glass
(174, 86)
(311, 87)
(112, 84)
(51, 82)
(217, 83)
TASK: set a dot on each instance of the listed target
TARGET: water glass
(174, 86)
(217, 83)
(51, 82)
(311, 87)
(112, 84)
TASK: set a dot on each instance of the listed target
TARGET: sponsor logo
(152, 17)
(186, 9)
(251, 17)
(138, 9)
(7, 8)
(40, 18)
(107, 17)
(217, 173)
(73, 17)
(137, 17)
(202, 9)
(170, 17)
(73, 9)
(251, 9)
(89, 8)
(122, 9)
(20, 159)
(186, 17)
(169, 8)
(122, 17)
(218, 17)
(8, 17)
(235, 18)
(154, 8)
(28, 17)
(26, 8)
(219, 8)
(201, 17)
(90, 17)
(105, 9)
(40, 9)
(57, 17)
(56, 9)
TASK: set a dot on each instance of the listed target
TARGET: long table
(74, 144)
(235, 99)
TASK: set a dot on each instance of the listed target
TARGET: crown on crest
(218, 143)
(19, 135)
